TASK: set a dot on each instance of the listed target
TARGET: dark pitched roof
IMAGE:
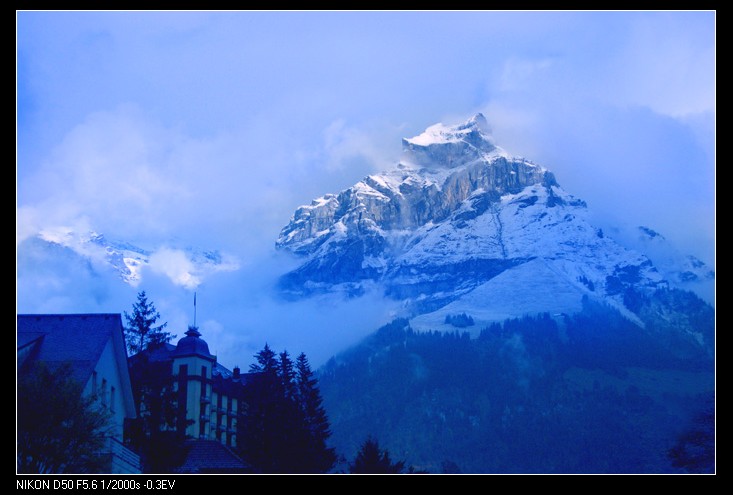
(193, 345)
(28, 346)
(163, 352)
(78, 339)
(27, 338)
(210, 456)
(228, 374)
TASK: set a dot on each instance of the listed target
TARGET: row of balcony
(205, 419)
(221, 410)
(221, 427)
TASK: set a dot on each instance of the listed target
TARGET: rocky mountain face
(460, 226)
(556, 340)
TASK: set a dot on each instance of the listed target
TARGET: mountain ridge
(129, 260)
(459, 214)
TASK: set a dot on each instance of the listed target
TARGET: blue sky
(211, 128)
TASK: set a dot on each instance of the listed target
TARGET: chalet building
(208, 393)
(208, 398)
(94, 346)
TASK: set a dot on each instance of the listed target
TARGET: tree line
(282, 424)
(587, 392)
(514, 392)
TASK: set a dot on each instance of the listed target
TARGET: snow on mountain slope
(459, 225)
(530, 288)
(683, 271)
(129, 260)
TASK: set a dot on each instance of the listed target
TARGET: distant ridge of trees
(588, 392)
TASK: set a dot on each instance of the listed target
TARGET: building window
(104, 392)
(112, 399)
(183, 370)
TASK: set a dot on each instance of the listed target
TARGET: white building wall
(107, 383)
(109, 388)
(195, 408)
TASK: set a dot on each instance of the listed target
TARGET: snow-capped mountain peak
(446, 146)
(476, 130)
(458, 222)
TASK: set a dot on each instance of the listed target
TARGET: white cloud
(109, 170)
(151, 128)
(520, 74)
(343, 143)
(175, 264)
(666, 63)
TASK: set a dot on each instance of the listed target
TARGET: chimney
(236, 372)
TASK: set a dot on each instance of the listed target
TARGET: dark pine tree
(317, 457)
(283, 424)
(292, 435)
(154, 433)
(266, 362)
(140, 331)
(59, 429)
(287, 376)
(694, 451)
(262, 420)
(373, 460)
